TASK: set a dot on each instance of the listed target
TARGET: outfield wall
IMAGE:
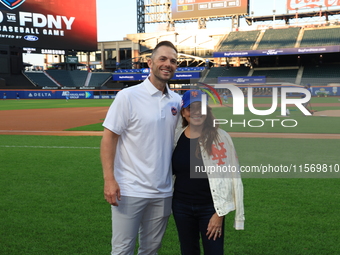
(110, 94)
(59, 94)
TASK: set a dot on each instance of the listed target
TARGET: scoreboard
(53, 24)
(193, 9)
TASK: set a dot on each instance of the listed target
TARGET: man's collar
(153, 90)
(166, 90)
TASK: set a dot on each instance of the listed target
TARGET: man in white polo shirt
(136, 151)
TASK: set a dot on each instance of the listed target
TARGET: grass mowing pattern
(52, 200)
(305, 124)
(274, 123)
(52, 103)
(62, 103)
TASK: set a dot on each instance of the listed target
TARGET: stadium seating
(40, 79)
(277, 75)
(79, 77)
(279, 38)
(241, 40)
(128, 71)
(62, 77)
(320, 37)
(69, 78)
(190, 69)
(18, 81)
(215, 72)
(321, 75)
(99, 79)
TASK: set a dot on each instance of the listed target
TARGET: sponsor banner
(59, 24)
(325, 91)
(292, 5)
(271, 52)
(141, 77)
(87, 88)
(187, 75)
(48, 94)
(76, 94)
(67, 88)
(80, 94)
(49, 88)
(242, 79)
(129, 77)
(104, 97)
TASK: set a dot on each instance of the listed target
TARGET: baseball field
(52, 190)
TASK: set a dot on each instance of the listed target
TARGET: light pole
(296, 14)
(320, 11)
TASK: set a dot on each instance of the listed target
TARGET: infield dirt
(54, 121)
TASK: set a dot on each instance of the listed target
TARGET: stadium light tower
(153, 11)
(159, 11)
(140, 16)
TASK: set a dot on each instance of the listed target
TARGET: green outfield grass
(273, 123)
(268, 100)
(236, 123)
(52, 103)
(62, 103)
(52, 200)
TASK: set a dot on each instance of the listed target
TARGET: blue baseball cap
(190, 96)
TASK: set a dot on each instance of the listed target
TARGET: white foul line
(47, 147)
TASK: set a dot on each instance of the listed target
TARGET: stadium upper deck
(318, 68)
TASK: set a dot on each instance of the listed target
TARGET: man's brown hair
(164, 43)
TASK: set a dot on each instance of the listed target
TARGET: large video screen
(193, 9)
(53, 24)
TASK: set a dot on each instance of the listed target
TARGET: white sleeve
(118, 115)
(237, 188)
(237, 192)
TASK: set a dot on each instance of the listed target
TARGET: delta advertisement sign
(57, 24)
(49, 94)
(292, 5)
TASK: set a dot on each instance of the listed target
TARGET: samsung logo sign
(31, 38)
